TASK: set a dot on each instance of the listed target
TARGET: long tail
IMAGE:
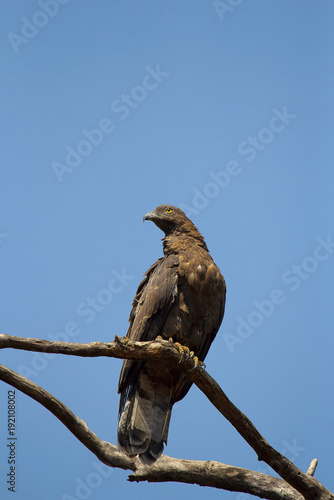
(144, 419)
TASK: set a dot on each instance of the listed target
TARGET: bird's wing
(155, 295)
(214, 314)
(211, 307)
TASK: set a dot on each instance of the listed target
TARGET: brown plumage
(182, 296)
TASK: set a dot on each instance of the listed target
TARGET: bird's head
(170, 219)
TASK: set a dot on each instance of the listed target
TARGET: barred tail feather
(144, 421)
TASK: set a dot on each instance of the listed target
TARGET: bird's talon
(183, 350)
(197, 363)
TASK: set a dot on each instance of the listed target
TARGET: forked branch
(170, 469)
(210, 473)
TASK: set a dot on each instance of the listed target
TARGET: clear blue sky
(112, 108)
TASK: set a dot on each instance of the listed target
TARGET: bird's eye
(168, 210)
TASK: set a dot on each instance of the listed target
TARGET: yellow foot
(197, 362)
(186, 354)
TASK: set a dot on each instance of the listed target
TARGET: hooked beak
(149, 216)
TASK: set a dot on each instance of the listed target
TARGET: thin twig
(312, 467)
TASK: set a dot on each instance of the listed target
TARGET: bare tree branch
(105, 451)
(217, 475)
(312, 467)
(209, 473)
(308, 486)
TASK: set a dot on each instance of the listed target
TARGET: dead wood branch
(210, 473)
(305, 484)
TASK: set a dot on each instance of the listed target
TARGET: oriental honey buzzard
(182, 297)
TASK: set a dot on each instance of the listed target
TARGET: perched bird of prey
(182, 297)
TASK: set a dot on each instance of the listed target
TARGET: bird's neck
(176, 243)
